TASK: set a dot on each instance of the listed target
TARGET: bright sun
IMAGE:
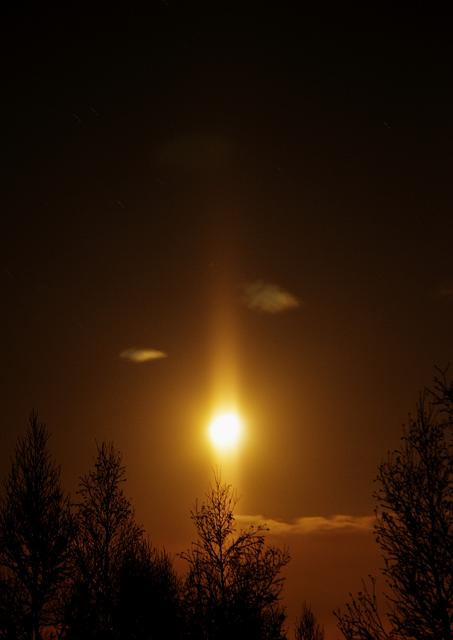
(225, 431)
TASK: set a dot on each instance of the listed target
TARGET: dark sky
(159, 170)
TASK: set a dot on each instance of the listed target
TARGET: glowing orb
(225, 431)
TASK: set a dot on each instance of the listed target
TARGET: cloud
(142, 355)
(268, 298)
(312, 524)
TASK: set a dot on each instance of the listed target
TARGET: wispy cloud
(311, 524)
(142, 355)
(268, 298)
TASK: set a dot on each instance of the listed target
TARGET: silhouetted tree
(362, 619)
(148, 605)
(233, 584)
(307, 627)
(35, 535)
(12, 622)
(106, 535)
(414, 530)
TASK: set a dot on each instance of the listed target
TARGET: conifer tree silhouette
(35, 534)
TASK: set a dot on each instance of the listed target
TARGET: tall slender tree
(35, 534)
(106, 534)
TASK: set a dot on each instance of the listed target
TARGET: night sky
(263, 199)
